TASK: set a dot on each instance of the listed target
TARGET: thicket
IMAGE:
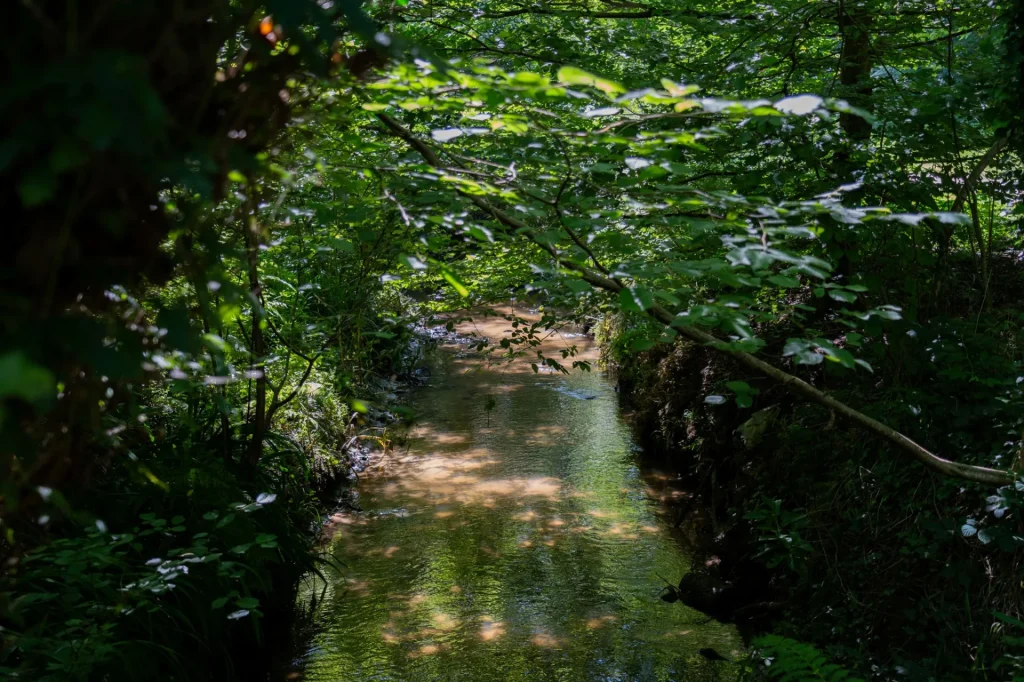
(180, 355)
(223, 212)
(891, 572)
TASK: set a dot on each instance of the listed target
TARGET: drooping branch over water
(934, 462)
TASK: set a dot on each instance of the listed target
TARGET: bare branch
(278, 404)
(933, 41)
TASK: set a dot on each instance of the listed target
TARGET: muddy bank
(701, 458)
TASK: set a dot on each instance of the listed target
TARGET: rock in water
(712, 655)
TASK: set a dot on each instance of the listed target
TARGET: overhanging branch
(795, 384)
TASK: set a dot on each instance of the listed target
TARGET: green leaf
(575, 284)
(1008, 619)
(228, 313)
(453, 280)
(574, 76)
(844, 107)
(179, 333)
(37, 186)
(741, 387)
(842, 295)
(803, 352)
(215, 344)
(341, 244)
(481, 233)
(783, 281)
(635, 300)
(412, 262)
(887, 312)
(744, 393)
(22, 378)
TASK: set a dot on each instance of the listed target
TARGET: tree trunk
(855, 69)
(855, 87)
(252, 250)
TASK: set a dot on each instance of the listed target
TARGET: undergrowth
(883, 568)
(179, 554)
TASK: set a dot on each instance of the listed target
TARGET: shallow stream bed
(513, 538)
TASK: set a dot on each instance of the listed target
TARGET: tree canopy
(214, 205)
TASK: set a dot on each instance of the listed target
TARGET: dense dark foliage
(228, 218)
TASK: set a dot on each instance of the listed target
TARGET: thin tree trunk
(972, 180)
(855, 68)
(986, 300)
(854, 22)
(252, 250)
(980, 238)
(943, 232)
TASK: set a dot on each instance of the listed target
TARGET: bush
(125, 599)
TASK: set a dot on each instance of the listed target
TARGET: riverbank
(773, 497)
(181, 557)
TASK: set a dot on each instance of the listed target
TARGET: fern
(788, 660)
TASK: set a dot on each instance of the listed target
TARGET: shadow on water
(513, 539)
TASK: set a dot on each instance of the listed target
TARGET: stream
(514, 537)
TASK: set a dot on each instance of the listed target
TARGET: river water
(514, 537)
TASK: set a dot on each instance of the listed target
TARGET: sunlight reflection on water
(526, 547)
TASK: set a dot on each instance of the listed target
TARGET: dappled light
(473, 340)
(545, 641)
(427, 650)
(600, 622)
(479, 540)
(491, 631)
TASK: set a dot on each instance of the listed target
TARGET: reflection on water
(511, 543)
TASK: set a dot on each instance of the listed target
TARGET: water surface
(519, 542)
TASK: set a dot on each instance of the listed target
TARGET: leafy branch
(978, 474)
